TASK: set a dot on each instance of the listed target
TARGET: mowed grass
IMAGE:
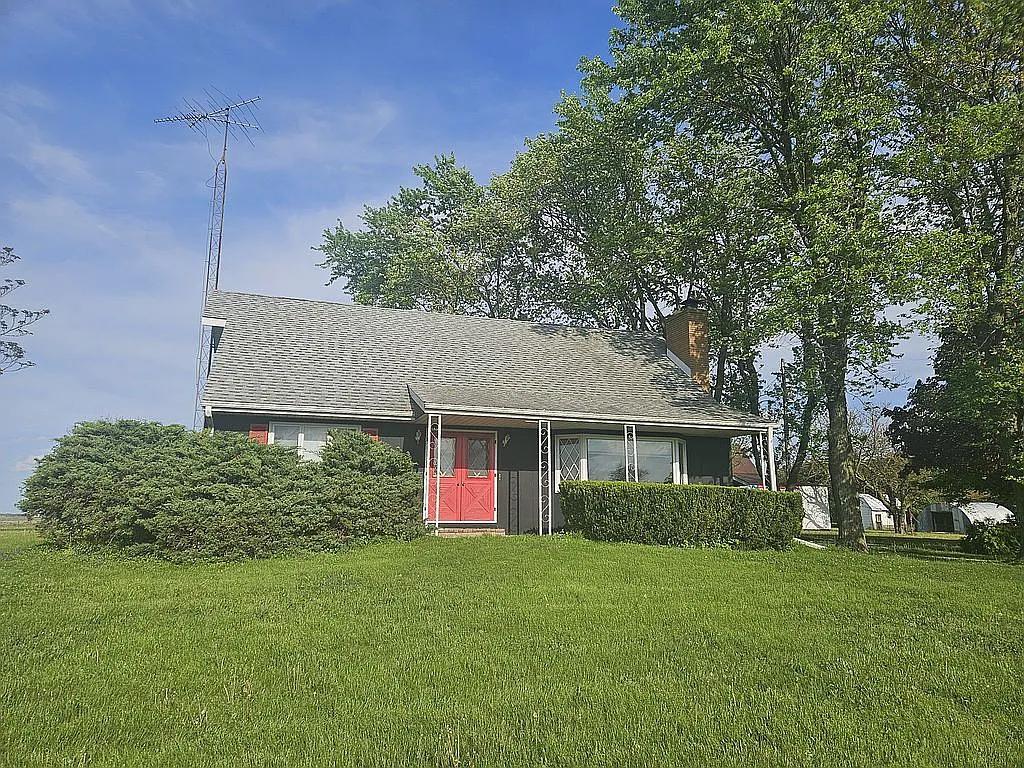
(516, 651)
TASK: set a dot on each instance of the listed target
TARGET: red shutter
(372, 432)
(260, 433)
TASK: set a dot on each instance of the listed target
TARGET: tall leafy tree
(803, 87)
(722, 235)
(959, 68)
(447, 245)
(589, 187)
(965, 423)
(14, 323)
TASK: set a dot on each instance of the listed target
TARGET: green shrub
(681, 515)
(371, 489)
(993, 539)
(146, 488)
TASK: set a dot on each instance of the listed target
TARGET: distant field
(516, 651)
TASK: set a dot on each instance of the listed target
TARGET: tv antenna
(225, 119)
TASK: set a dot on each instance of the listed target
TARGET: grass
(515, 651)
(924, 545)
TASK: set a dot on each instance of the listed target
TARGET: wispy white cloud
(319, 135)
(58, 166)
(69, 21)
(21, 96)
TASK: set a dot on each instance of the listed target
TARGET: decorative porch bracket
(629, 448)
(544, 476)
(430, 463)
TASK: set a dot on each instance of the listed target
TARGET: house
(945, 517)
(498, 412)
(745, 473)
(874, 514)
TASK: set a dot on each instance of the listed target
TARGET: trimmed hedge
(145, 488)
(681, 515)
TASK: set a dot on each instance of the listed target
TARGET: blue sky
(108, 210)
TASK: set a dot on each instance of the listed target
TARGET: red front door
(466, 468)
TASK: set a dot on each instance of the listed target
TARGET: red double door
(465, 464)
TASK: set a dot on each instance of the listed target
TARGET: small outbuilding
(946, 517)
(874, 514)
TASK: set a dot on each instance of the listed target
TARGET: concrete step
(457, 532)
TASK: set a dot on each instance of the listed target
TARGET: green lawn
(515, 651)
(918, 544)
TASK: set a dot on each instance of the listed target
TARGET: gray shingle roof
(296, 356)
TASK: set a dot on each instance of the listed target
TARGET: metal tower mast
(200, 119)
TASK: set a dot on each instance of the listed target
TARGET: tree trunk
(809, 363)
(844, 505)
(897, 513)
(803, 440)
(750, 385)
(720, 371)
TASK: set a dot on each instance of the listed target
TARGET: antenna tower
(225, 119)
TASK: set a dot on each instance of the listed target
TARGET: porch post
(430, 464)
(437, 476)
(771, 459)
(629, 449)
(543, 475)
(426, 470)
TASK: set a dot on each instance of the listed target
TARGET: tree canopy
(813, 172)
(14, 323)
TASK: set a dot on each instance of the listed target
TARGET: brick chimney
(686, 336)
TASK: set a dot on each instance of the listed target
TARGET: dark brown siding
(708, 460)
(517, 480)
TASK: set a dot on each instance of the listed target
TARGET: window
(604, 458)
(477, 457)
(446, 457)
(655, 462)
(570, 465)
(287, 435)
(309, 439)
(395, 441)
(314, 438)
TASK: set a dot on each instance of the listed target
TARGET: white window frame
(680, 468)
(301, 426)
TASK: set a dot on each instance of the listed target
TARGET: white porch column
(430, 465)
(629, 451)
(544, 476)
(771, 459)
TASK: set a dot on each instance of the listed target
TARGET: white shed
(945, 517)
(873, 513)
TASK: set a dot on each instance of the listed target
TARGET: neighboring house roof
(283, 355)
(873, 503)
(744, 471)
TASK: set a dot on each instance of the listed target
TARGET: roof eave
(603, 418)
